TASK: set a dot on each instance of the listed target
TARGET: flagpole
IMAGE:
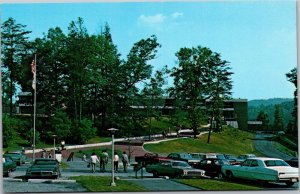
(34, 111)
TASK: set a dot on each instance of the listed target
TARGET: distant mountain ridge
(267, 105)
(267, 102)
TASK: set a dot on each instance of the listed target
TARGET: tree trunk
(11, 93)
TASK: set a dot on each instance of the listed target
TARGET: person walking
(84, 157)
(125, 161)
(94, 160)
(107, 156)
(116, 161)
(44, 153)
(103, 161)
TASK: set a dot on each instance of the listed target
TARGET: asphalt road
(267, 147)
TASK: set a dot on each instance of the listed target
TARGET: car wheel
(229, 175)
(155, 174)
(220, 176)
(289, 184)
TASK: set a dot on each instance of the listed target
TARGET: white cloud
(177, 14)
(153, 20)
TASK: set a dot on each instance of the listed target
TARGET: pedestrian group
(103, 161)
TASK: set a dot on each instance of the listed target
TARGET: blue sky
(257, 38)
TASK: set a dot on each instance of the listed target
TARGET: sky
(258, 38)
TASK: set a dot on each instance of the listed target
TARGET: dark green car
(44, 168)
(17, 157)
(8, 166)
(173, 168)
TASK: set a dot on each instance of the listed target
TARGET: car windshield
(221, 156)
(230, 157)
(195, 156)
(180, 164)
(45, 162)
(186, 156)
(223, 162)
(270, 163)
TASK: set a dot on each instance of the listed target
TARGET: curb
(50, 181)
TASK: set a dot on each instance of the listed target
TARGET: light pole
(112, 130)
(54, 136)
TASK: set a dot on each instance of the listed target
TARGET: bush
(84, 131)
(61, 124)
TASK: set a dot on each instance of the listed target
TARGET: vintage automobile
(148, 158)
(232, 159)
(264, 170)
(174, 168)
(212, 167)
(18, 157)
(243, 157)
(8, 166)
(201, 156)
(44, 168)
(183, 157)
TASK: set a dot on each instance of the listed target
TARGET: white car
(263, 169)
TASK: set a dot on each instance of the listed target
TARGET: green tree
(201, 75)
(52, 71)
(135, 70)
(104, 75)
(264, 118)
(77, 59)
(14, 47)
(278, 121)
(293, 125)
(84, 131)
(154, 91)
(61, 125)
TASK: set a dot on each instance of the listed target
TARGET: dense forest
(268, 106)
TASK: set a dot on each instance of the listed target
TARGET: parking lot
(78, 167)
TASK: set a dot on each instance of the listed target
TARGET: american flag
(33, 70)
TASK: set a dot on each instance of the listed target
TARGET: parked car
(294, 162)
(201, 156)
(148, 158)
(212, 167)
(18, 157)
(187, 133)
(8, 166)
(243, 157)
(44, 168)
(183, 157)
(263, 169)
(174, 168)
(233, 160)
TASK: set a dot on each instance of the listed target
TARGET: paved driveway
(267, 147)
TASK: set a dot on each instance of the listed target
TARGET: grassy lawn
(284, 149)
(230, 140)
(99, 140)
(102, 184)
(218, 185)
